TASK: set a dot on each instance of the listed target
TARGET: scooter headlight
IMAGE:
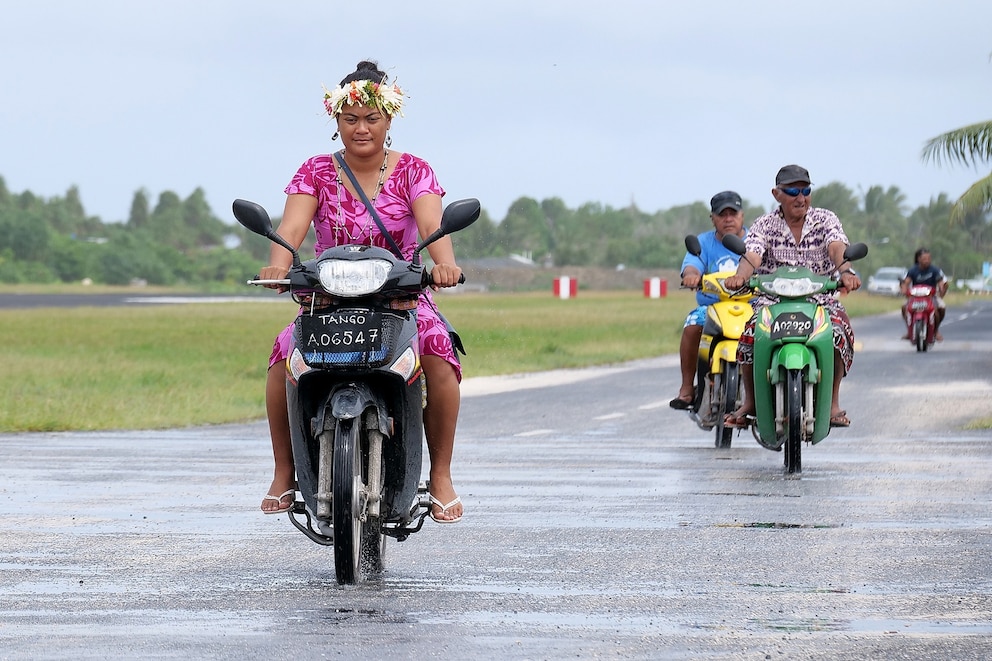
(793, 287)
(353, 278)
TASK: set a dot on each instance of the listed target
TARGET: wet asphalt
(599, 524)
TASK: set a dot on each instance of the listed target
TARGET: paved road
(600, 524)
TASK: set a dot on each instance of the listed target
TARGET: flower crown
(385, 98)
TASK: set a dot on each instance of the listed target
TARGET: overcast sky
(661, 103)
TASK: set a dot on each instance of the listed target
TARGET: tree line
(180, 241)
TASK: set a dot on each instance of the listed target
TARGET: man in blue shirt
(727, 214)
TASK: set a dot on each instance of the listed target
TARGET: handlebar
(429, 279)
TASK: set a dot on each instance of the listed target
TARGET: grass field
(165, 366)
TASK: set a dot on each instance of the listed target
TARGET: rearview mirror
(692, 245)
(255, 218)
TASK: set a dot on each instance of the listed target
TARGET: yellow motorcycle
(718, 386)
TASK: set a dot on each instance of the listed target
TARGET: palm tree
(969, 145)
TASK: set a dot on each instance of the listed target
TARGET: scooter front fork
(782, 411)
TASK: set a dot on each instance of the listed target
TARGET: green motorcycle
(793, 357)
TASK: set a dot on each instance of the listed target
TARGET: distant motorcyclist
(924, 272)
(727, 214)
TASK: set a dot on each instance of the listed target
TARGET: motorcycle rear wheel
(357, 544)
(794, 405)
(728, 389)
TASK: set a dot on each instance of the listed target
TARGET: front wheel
(794, 406)
(920, 334)
(728, 392)
(358, 544)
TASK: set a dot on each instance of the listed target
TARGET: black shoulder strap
(368, 205)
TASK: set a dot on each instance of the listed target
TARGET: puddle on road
(653, 624)
(532, 589)
(777, 525)
(885, 626)
(350, 615)
(920, 626)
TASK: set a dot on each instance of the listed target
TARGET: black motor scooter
(355, 392)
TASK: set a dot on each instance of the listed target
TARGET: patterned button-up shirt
(771, 237)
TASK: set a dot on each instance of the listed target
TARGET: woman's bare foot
(280, 497)
(446, 506)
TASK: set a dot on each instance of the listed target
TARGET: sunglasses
(793, 192)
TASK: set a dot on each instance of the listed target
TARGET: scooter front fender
(352, 400)
(724, 352)
(793, 356)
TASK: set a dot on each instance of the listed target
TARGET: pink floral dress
(342, 218)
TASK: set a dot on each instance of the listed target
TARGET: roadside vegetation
(175, 241)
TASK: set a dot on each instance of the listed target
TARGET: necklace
(341, 225)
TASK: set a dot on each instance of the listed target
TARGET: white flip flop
(444, 508)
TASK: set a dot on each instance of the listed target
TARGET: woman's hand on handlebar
(274, 273)
(446, 275)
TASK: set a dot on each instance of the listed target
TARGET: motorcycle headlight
(353, 278)
(793, 287)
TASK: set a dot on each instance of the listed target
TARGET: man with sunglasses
(796, 234)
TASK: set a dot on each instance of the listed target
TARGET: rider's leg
(276, 409)
(688, 356)
(838, 377)
(747, 404)
(440, 420)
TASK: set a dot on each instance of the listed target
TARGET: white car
(977, 285)
(886, 280)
